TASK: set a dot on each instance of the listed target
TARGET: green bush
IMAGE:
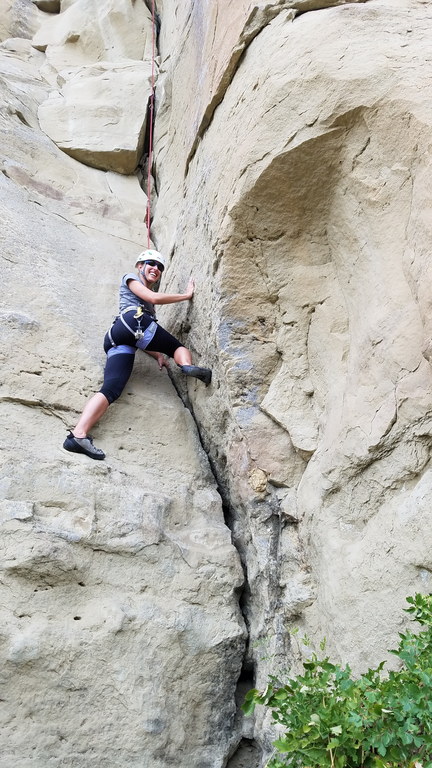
(331, 720)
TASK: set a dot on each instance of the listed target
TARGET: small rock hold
(258, 480)
(18, 320)
(15, 510)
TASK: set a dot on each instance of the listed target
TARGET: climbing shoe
(83, 445)
(204, 374)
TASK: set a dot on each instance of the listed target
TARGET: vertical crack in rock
(259, 18)
(143, 169)
(255, 23)
(245, 752)
(274, 646)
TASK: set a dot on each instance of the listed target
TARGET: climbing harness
(143, 336)
(151, 110)
(137, 316)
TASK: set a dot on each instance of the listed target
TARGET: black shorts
(119, 364)
(162, 340)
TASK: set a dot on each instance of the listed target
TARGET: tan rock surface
(18, 18)
(107, 203)
(293, 171)
(200, 54)
(312, 227)
(121, 639)
(99, 115)
(108, 576)
(86, 32)
(94, 55)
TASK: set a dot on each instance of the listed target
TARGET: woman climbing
(135, 328)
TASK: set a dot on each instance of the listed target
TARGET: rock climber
(135, 327)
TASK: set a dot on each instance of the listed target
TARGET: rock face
(18, 18)
(97, 113)
(121, 635)
(293, 173)
(95, 117)
(305, 199)
(117, 602)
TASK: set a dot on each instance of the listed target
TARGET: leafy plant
(331, 720)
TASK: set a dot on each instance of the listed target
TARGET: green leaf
(281, 695)
(336, 730)
(248, 707)
(333, 744)
(250, 702)
(282, 745)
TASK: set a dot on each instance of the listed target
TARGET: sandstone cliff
(292, 179)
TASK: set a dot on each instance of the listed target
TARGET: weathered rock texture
(98, 113)
(293, 174)
(18, 18)
(306, 200)
(121, 635)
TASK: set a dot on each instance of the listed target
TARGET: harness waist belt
(137, 308)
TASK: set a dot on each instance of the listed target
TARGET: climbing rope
(151, 110)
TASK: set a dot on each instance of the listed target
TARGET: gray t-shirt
(129, 299)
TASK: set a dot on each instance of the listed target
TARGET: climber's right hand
(190, 288)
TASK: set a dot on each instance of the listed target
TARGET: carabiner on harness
(139, 333)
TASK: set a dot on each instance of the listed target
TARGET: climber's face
(151, 271)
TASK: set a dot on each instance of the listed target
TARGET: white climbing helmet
(152, 255)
